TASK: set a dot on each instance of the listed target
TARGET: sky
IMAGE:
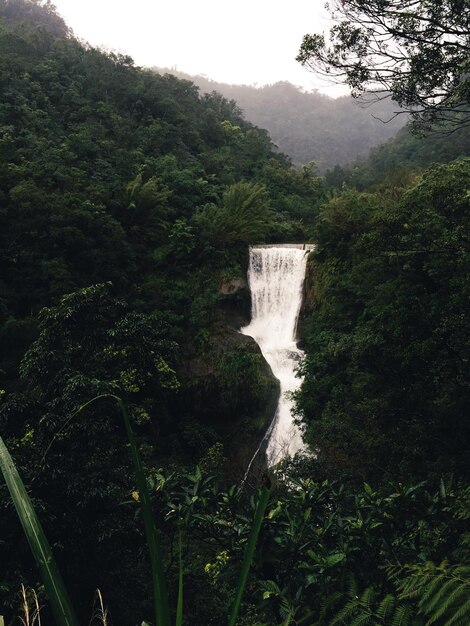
(252, 42)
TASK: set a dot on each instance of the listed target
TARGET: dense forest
(310, 126)
(129, 402)
(407, 151)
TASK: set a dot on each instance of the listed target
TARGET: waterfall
(276, 275)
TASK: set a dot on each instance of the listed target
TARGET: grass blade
(179, 604)
(162, 608)
(160, 593)
(249, 552)
(55, 588)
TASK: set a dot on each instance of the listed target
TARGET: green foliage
(42, 553)
(442, 592)
(249, 552)
(88, 343)
(370, 608)
(425, 594)
(309, 126)
(385, 391)
(242, 217)
(160, 593)
(390, 163)
(241, 379)
(320, 543)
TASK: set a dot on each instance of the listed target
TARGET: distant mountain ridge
(309, 126)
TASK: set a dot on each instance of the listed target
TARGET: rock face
(309, 300)
(235, 302)
(228, 384)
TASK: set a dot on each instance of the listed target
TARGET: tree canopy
(308, 125)
(417, 51)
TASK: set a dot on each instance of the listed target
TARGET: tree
(35, 14)
(89, 344)
(417, 51)
(243, 216)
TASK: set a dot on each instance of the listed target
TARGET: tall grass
(100, 612)
(249, 552)
(53, 583)
(31, 617)
(160, 592)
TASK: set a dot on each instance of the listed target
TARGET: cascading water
(276, 275)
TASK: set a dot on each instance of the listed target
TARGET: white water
(276, 276)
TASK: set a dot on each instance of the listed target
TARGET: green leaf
(249, 552)
(333, 559)
(179, 604)
(442, 490)
(53, 583)
(162, 610)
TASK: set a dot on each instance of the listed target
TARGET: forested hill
(404, 153)
(128, 201)
(115, 175)
(309, 126)
(127, 204)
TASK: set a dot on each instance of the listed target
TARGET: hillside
(130, 403)
(402, 154)
(310, 126)
(128, 202)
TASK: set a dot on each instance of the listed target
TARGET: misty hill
(404, 152)
(309, 126)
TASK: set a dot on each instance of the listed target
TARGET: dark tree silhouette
(416, 51)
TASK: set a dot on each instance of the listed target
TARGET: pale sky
(245, 41)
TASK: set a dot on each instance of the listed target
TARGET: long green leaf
(53, 583)
(249, 553)
(160, 593)
(179, 605)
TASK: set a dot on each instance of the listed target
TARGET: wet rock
(234, 303)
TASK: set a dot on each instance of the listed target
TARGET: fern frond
(442, 592)
(346, 613)
(286, 610)
(327, 605)
(431, 588)
(461, 508)
(362, 620)
(441, 600)
(459, 593)
(460, 617)
(368, 596)
(352, 587)
(386, 606)
(402, 615)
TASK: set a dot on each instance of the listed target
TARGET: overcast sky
(244, 41)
